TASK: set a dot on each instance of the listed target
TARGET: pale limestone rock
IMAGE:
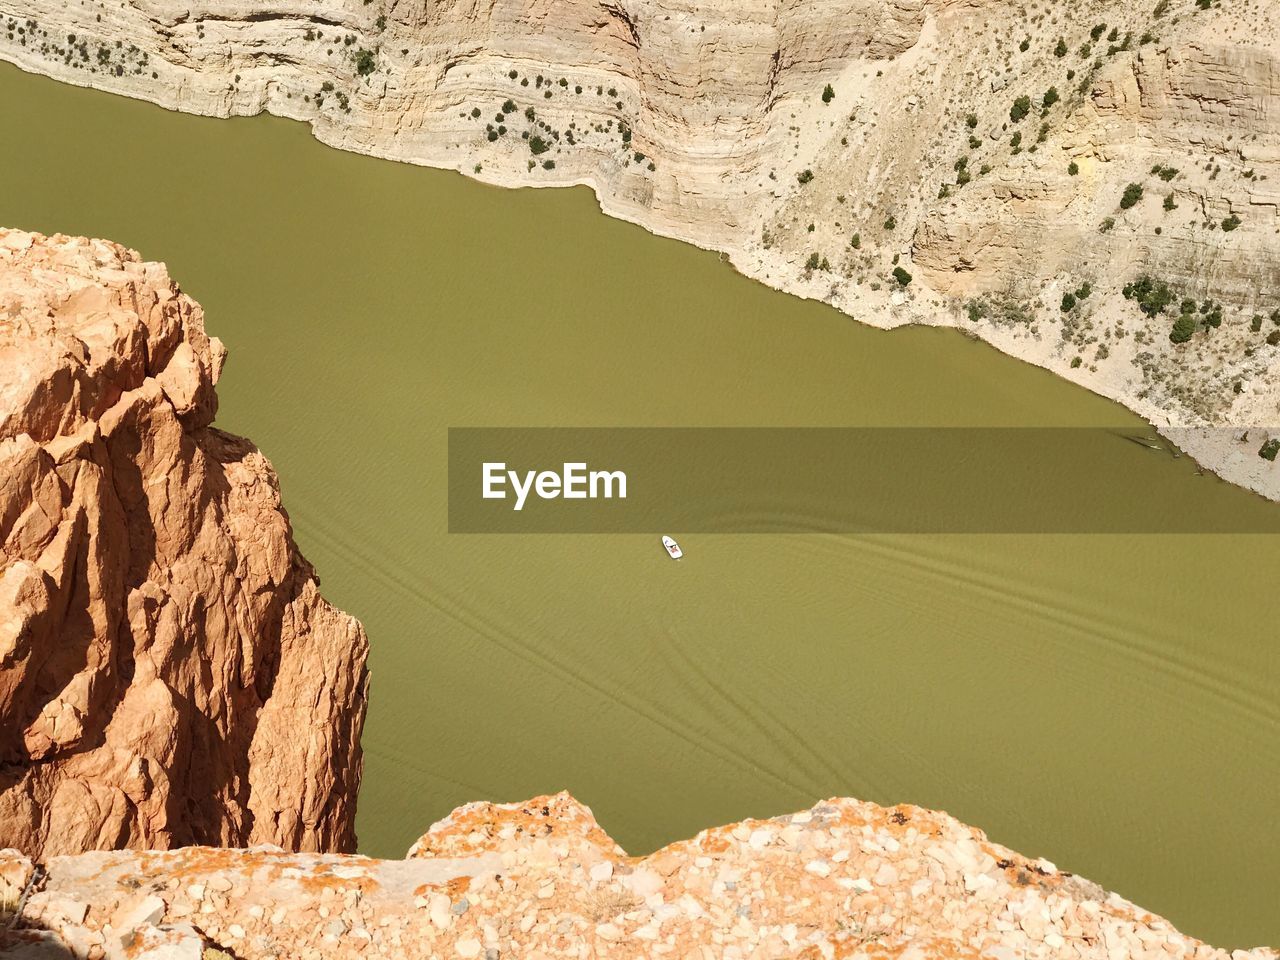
(500, 857)
(724, 100)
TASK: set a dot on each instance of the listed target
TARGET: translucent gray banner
(837, 480)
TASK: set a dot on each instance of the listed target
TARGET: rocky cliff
(1087, 185)
(540, 881)
(169, 673)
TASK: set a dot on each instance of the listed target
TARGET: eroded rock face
(708, 122)
(169, 673)
(540, 880)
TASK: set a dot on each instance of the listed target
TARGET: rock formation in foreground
(1011, 171)
(541, 881)
(169, 673)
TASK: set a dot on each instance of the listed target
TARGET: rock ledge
(541, 880)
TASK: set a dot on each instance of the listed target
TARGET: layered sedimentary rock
(169, 673)
(541, 880)
(983, 149)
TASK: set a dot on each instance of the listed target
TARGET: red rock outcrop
(169, 673)
(541, 881)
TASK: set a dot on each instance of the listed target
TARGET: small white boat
(673, 548)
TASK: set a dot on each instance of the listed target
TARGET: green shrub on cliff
(1183, 328)
(1152, 296)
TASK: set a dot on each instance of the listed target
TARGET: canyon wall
(969, 163)
(541, 881)
(169, 673)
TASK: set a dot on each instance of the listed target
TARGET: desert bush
(1183, 328)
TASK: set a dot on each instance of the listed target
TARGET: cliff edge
(169, 673)
(541, 881)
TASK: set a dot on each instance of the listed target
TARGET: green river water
(1106, 701)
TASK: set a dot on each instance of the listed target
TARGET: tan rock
(777, 905)
(163, 646)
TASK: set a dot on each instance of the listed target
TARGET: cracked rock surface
(542, 881)
(169, 673)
